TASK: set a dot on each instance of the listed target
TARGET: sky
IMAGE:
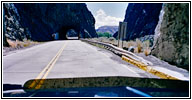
(107, 13)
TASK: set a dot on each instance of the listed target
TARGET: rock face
(12, 28)
(45, 19)
(172, 42)
(150, 38)
(110, 29)
(142, 19)
(41, 20)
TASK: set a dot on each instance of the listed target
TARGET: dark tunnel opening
(72, 34)
(65, 33)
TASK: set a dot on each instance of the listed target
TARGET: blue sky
(107, 13)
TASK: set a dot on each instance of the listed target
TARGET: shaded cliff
(172, 35)
(142, 19)
(47, 18)
(12, 28)
(41, 20)
(167, 23)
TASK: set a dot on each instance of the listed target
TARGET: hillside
(109, 29)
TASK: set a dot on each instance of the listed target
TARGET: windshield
(84, 50)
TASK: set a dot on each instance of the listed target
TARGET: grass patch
(140, 47)
(147, 51)
(20, 44)
(131, 43)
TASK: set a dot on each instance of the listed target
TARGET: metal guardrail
(133, 59)
(119, 51)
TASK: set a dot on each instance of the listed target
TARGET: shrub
(105, 34)
(112, 39)
(147, 51)
(18, 44)
(139, 45)
(27, 44)
(146, 44)
(136, 50)
(100, 34)
(102, 39)
(131, 43)
(11, 43)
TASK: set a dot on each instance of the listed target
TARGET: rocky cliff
(142, 19)
(12, 28)
(41, 20)
(110, 29)
(172, 35)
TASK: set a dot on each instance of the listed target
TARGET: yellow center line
(40, 78)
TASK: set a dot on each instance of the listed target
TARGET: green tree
(100, 34)
(105, 34)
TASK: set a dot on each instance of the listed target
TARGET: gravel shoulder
(161, 66)
(157, 62)
(10, 50)
(119, 60)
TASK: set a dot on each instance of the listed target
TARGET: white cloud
(103, 19)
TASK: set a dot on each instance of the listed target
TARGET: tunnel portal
(69, 31)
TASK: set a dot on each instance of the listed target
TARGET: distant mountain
(109, 29)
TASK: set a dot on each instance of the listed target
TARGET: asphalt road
(65, 59)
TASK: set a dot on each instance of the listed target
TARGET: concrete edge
(133, 59)
(148, 68)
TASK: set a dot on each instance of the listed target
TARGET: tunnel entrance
(72, 34)
(66, 33)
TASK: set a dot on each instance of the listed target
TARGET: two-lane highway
(65, 59)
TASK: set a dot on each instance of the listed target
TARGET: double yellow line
(39, 80)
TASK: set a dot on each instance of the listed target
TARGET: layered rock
(12, 28)
(142, 19)
(41, 20)
(172, 35)
(149, 38)
(44, 19)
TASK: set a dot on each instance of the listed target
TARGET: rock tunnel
(65, 32)
(60, 17)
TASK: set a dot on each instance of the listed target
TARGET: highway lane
(28, 63)
(65, 59)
